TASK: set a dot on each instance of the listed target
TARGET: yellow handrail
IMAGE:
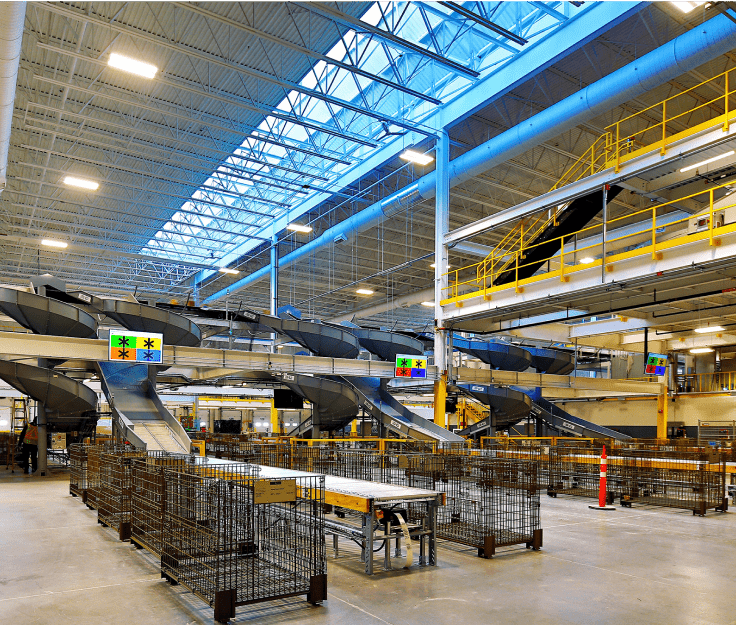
(625, 139)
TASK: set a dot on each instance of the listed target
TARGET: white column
(441, 228)
(274, 285)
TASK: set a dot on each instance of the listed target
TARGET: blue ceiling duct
(684, 53)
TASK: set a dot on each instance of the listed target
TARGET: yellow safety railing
(718, 382)
(655, 127)
(652, 235)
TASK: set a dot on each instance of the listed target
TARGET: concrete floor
(640, 565)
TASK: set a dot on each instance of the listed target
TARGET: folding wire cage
(7, 448)
(491, 501)
(576, 471)
(78, 483)
(691, 480)
(114, 492)
(148, 498)
(353, 463)
(94, 452)
(233, 538)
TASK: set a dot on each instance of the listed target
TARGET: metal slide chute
(334, 404)
(42, 315)
(177, 329)
(503, 356)
(508, 407)
(141, 416)
(555, 417)
(321, 339)
(551, 361)
(66, 401)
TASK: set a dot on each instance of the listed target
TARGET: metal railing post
(726, 124)
(710, 224)
(663, 149)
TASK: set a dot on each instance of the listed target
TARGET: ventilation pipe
(12, 16)
(684, 53)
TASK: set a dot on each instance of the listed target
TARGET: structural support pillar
(274, 285)
(441, 228)
(275, 428)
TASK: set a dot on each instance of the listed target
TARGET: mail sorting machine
(388, 514)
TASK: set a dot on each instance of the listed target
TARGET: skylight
(306, 144)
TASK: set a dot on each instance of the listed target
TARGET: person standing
(29, 442)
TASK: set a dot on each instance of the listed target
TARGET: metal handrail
(614, 147)
(649, 227)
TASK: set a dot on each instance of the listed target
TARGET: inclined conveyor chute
(42, 315)
(567, 424)
(498, 355)
(67, 402)
(544, 244)
(143, 419)
(177, 330)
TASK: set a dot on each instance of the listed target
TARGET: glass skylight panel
(468, 44)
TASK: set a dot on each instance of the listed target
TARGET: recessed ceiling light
(299, 228)
(586, 260)
(82, 183)
(434, 265)
(416, 157)
(428, 304)
(686, 7)
(233, 272)
(364, 292)
(701, 350)
(139, 68)
(53, 243)
(707, 161)
(710, 329)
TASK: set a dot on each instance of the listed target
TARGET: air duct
(684, 53)
(12, 17)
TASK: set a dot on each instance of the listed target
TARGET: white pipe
(12, 17)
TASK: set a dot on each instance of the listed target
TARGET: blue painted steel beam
(682, 54)
(567, 38)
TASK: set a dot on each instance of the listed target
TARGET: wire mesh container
(233, 538)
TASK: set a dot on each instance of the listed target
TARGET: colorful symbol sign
(656, 364)
(136, 346)
(410, 367)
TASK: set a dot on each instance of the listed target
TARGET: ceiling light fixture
(299, 228)
(710, 329)
(53, 243)
(434, 265)
(428, 304)
(233, 272)
(81, 183)
(586, 260)
(139, 68)
(707, 161)
(686, 7)
(701, 350)
(364, 291)
(416, 157)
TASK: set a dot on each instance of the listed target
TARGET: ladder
(18, 419)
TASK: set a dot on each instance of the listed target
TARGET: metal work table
(378, 505)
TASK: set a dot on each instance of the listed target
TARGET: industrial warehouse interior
(367, 312)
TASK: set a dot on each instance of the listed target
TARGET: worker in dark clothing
(29, 447)
(680, 432)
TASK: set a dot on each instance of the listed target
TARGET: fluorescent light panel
(233, 272)
(299, 228)
(434, 265)
(416, 157)
(364, 291)
(133, 66)
(586, 260)
(53, 243)
(711, 329)
(82, 183)
(701, 350)
(428, 304)
(707, 161)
